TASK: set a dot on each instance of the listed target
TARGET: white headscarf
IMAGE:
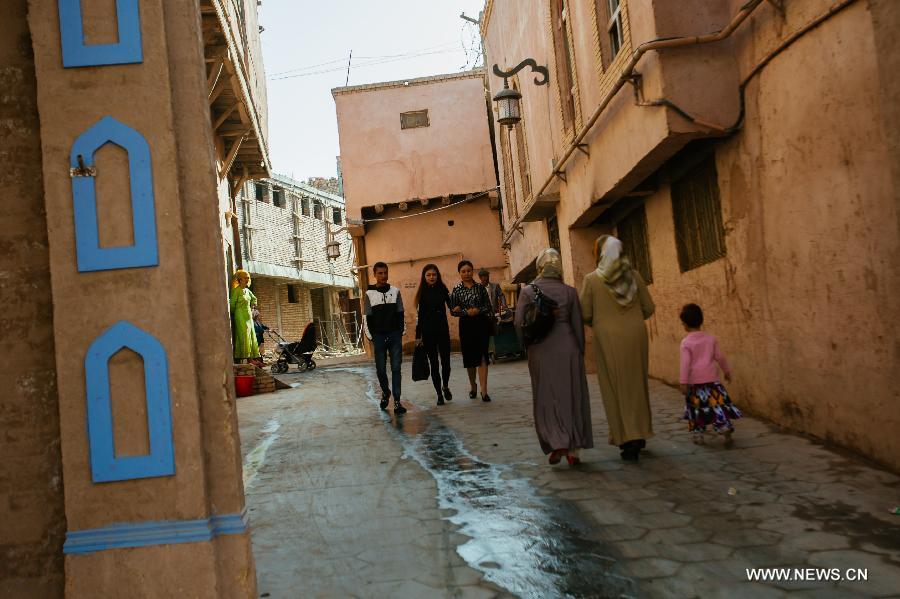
(549, 264)
(615, 270)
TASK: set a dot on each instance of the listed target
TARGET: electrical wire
(377, 57)
(359, 66)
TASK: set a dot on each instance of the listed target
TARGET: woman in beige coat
(615, 302)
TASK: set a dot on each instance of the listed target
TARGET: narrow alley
(458, 501)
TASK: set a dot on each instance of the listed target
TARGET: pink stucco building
(749, 164)
(419, 179)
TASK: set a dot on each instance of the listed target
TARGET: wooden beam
(232, 127)
(245, 131)
(213, 78)
(232, 154)
(224, 116)
(214, 94)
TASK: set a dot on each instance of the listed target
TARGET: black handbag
(420, 369)
(540, 314)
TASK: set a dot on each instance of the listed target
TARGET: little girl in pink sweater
(706, 400)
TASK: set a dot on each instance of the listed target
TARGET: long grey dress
(562, 407)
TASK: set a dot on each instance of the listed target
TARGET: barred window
(260, 192)
(304, 206)
(416, 118)
(697, 211)
(632, 231)
(317, 211)
(336, 216)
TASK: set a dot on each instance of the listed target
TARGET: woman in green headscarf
(615, 302)
(562, 406)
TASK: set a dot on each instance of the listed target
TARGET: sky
(306, 45)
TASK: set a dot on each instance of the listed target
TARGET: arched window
(105, 466)
(144, 251)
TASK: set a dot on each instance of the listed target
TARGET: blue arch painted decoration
(144, 251)
(75, 53)
(105, 466)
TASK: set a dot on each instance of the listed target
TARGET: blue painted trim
(75, 53)
(144, 252)
(105, 466)
(164, 532)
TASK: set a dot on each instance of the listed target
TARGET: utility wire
(377, 57)
(359, 66)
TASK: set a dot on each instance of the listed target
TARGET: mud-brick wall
(805, 302)
(32, 518)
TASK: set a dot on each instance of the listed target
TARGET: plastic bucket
(243, 385)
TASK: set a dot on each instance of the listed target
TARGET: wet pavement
(458, 501)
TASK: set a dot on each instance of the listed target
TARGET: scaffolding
(340, 336)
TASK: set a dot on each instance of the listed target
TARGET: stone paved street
(458, 501)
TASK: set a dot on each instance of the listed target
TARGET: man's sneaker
(398, 407)
(385, 397)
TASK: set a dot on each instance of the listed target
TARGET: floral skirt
(708, 404)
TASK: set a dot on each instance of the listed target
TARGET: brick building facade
(285, 226)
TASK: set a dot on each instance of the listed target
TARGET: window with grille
(632, 231)
(565, 66)
(336, 216)
(317, 211)
(697, 211)
(260, 192)
(278, 197)
(293, 294)
(416, 118)
(304, 206)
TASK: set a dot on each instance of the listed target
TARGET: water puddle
(532, 546)
(257, 456)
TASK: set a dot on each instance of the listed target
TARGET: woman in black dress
(471, 303)
(432, 330)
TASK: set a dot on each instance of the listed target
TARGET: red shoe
(573, 460)
(556, 455)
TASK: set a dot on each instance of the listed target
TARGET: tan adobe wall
(383, 163)
(805, 302)
(408, 245)
(31, 495)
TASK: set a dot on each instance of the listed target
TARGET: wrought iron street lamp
(332, 245)
(509, 100)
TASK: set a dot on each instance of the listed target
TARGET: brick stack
(244, 370)
(264, 382)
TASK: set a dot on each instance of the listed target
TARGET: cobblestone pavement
(458, 501)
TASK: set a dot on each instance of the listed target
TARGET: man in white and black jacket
(385, 325)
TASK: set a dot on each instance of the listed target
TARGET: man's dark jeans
(384, 344)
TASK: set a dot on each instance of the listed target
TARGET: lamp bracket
(528, 62)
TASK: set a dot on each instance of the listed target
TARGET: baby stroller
(299, 353)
